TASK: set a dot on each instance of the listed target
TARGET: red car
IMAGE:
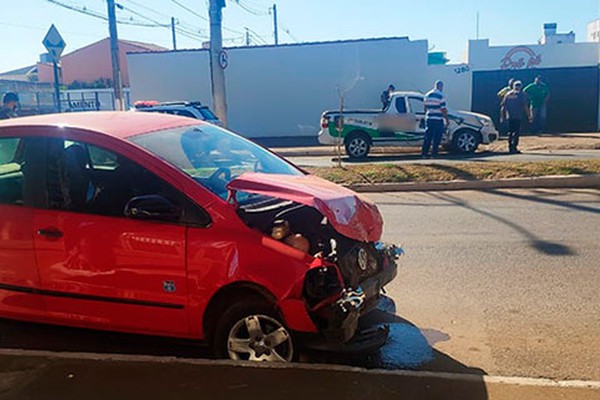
(155, 224)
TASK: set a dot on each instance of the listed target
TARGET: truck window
(416, 105)
(400, 105)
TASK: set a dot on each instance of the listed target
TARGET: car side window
(400, 105)
(417, 106)
(11, 171)
(88, 179)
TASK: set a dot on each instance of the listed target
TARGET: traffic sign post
(55, 45)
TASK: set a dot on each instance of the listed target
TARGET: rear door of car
(20, 167)
(98, 267)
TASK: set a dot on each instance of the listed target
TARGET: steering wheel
(219, 179)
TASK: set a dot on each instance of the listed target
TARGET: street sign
(54, 43)
(223, 59)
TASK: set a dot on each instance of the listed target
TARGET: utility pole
(247, 36)
(114, 54)
(173, 33)
(275, 30)
(218, 60)
(56, 86)
(477, 29)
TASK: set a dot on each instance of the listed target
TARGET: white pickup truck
(402, 123)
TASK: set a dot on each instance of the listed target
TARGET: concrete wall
(282, 91)
(170, 76)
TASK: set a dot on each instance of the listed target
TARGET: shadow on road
(544, 199)
(543, 246)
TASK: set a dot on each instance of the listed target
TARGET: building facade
(276, 91)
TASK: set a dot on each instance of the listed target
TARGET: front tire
(253, 331)
(358, 145)
(465, 141)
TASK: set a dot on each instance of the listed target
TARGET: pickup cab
(402, 123)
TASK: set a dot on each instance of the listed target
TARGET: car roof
(120, 124)
(400, 93)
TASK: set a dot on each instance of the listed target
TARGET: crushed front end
(342, 287)
(349, 267)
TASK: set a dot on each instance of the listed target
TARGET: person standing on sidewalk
(501, 93)
(504, 91)
(538, 94)
(436, 113)
(514, 109)
(9, 104)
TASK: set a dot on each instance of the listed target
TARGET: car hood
(349, 213)
(467, 115)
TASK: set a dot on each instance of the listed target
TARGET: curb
(51, 375)
(542, 182)
(329, 152)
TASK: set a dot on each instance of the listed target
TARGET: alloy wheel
(466, 142)
(259, 338)
(358, 147)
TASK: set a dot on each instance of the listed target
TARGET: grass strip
(472, 171)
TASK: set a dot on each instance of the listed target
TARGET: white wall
(170, 76)
(482, 57)
(282, 91)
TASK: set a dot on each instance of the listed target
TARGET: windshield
(212, 155)
(206, 113)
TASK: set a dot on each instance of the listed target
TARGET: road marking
(507, 380)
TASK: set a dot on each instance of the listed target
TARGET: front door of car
(19, 184)
(98, 267)
(398, 123)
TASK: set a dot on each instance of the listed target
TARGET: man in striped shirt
(435, 115)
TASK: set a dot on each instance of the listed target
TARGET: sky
(446, 24)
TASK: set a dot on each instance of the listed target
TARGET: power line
(257, 36)
(37, 28)
(135, 3)
(84, 10)
(203, 17)
(190, 10)
(286, 30)
(250, 10)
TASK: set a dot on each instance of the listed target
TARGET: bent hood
(349, 213)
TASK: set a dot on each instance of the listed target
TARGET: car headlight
(484, 121)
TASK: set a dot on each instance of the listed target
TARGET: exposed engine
(337, 289)
(305, 229)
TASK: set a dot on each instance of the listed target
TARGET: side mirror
(152, 207)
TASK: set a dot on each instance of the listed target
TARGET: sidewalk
(307, 147)
(49, 376)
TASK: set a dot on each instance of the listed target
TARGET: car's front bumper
(365, 340)
(489, 134)
(344, 329)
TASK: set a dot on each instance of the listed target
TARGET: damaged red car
(162, 225)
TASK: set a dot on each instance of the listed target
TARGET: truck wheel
(358, 145)
(465, 141)
(252, 331)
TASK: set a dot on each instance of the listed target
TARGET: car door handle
(50, 233)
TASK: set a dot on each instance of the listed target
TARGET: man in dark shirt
(9, 103)
(386, 96)
(514, 109)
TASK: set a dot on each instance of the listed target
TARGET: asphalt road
(499, 283)
(526, 156)
(506, 281)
